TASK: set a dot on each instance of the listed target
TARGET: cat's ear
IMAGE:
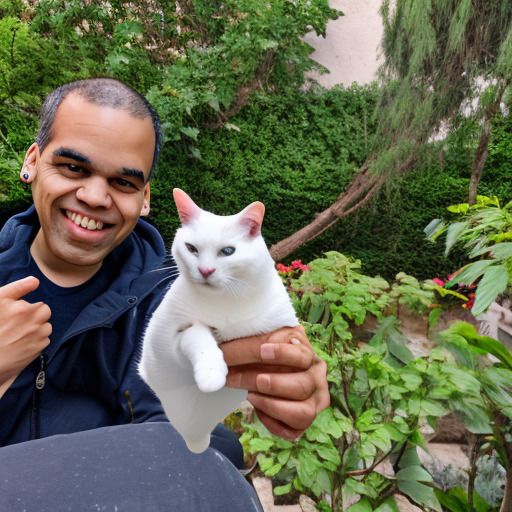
(187, 209)
(252, 218)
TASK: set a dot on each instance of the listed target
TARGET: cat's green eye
(191, 248)
(227, 251)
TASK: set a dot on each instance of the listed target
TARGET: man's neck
(60, 272)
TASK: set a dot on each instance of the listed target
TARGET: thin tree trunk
(364, 183)
(482, 151)
(506, 504)
(501, 426)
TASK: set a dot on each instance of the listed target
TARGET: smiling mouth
(86, 222)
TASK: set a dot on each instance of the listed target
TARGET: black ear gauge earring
(25, 175)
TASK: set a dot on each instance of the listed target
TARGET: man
(79, 274)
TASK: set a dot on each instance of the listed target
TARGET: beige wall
(351, 49)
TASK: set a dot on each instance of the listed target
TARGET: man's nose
(94, 191)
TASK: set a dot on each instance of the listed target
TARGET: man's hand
(286, 380)
(24, 329)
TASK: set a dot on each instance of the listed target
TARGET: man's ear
(31, 158)
(145, 205)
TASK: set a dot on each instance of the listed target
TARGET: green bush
(295, 152)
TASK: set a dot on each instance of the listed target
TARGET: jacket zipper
(36, 402)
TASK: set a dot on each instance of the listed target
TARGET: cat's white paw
(209, 378)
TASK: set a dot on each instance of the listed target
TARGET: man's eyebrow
(72, 154)
(137, 173)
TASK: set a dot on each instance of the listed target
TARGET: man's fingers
(287, 349)
(17, 289)
(295, 415)
(277, 427)
(297, 386)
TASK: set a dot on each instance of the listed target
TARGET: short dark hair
(104, 92)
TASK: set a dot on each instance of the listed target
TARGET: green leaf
(388, 506)
(231, 126)
(414, 473)
(260, 445)
(330, 453)
(324, 481)
(453, 234)
(316, 312)
(412, 381)
(283, 456)
(429, 408)
(361, 506)
(456, 500)
(272, 471)
(502, 251)
(214, 103)
(129, 29)
(381, 439)
(484, 343)
(353, 486)
(410, 458)
(190, 131)
(474, 418)
(196, 153)
(459, 208)
(282, 489)
(461, 379)
(433, 316)
(434, 229)
(493, 282)
(470, 273)
(265, 462)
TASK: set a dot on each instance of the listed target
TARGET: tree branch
(364, 183)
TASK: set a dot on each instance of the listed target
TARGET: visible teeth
(85, 222)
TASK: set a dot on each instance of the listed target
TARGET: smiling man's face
(89, 184)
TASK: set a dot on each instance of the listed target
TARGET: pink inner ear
(252, 218)
(187, 209)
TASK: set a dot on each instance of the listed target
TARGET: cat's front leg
(200, 348)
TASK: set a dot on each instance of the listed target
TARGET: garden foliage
(484, 229)
(293, 149)
(196, 61)
(381, 394)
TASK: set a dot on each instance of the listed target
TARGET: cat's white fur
(243, 296)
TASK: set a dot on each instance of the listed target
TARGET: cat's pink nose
(205, 272)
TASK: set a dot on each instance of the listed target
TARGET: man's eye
(124, 183)
(74, 168)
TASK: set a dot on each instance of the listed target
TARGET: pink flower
(282, 269)
(438, 281)
(294, 270)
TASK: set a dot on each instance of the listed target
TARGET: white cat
(227, 288)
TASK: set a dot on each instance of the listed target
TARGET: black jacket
(90, 378)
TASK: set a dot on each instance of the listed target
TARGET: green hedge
(297, 152)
